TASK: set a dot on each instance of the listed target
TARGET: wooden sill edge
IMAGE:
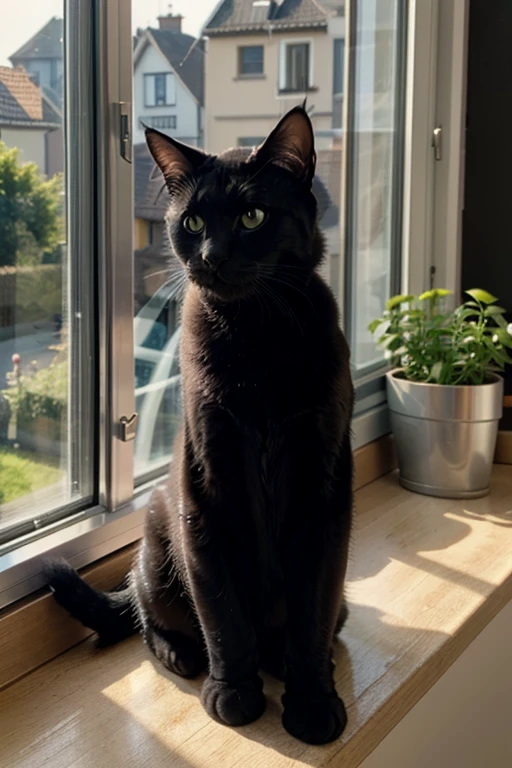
(38, 616)
(373, 731)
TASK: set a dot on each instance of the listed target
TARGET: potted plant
(445, 395)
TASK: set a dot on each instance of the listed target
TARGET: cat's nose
(214, 256)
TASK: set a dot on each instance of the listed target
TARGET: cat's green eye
(194, 224)
(252, 218)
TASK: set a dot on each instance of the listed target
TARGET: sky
(23, 18)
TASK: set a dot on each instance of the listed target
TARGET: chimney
(170, 23)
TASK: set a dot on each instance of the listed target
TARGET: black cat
(245, 550)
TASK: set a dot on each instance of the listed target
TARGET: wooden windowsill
(426, 576)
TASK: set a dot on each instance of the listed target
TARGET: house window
(250, 60)
(339, 67)
(296, 67)
(159, 90)
(161, 122)
(250, 141)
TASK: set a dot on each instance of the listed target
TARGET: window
(161, 122)
(46, 317)
(250, 60)
(337, 83)
(374, 173)
(339, 67)
(83, 374)
(295, 67)
(250, 141)
(159, 90)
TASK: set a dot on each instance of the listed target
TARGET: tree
(30, 211)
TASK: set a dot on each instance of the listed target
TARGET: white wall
(30, 142)
(464, 721)
(185, 109)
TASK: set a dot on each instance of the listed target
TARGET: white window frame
(434, 190)
(283, 45)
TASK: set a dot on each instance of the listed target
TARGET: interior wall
(464, 720)
(487, 230)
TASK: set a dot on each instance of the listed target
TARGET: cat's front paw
(237, 703)
(315, 719)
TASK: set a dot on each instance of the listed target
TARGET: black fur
(245, 550)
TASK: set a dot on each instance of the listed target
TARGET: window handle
(437, 142)
(125, 130)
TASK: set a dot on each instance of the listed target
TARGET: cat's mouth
(225, 287)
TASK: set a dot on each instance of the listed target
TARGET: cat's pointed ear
(291, 145)
(175, 159)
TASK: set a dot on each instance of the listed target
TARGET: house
(168, 82)
(29, 121)
(264, 57)
(42, 57)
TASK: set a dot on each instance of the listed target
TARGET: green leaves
(434, 293)
(31, 219)
(433, 344)
(395, 301)
(484, 297)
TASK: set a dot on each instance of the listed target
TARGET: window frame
(100, 58)
(116, 519)
(250, 75)
(371, 416)
(283, 46)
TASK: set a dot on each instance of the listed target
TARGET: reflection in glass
(231, 87)
(373, 169)
(35, 344)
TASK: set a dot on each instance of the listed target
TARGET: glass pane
(251, 60)
(215, 109)
(43, 461)
(373, 169)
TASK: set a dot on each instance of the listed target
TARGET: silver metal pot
(445, 435)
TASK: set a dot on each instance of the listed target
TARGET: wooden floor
(426, 576)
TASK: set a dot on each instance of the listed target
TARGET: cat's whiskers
(262, 302)
(279, 301)
(158, 272)
(293, 287)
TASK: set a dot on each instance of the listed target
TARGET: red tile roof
(26, 93)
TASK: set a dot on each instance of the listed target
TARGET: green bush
(40, 393)
(431, 344)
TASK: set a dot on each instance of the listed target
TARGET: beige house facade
(243, 107)
(257, 70)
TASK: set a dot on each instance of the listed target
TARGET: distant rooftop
(22, 103)
(184, 53)
(239, 16)
(45, 44)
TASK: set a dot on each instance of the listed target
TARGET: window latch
(125, 130)
(128, 427)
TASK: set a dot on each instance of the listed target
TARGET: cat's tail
(111, 615)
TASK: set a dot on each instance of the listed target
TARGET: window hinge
(125, 130)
